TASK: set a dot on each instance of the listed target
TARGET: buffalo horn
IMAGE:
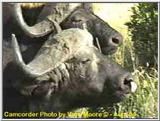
(38, 30)
(19, 61)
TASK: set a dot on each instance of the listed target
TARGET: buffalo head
(69, 72)
(105, 37)
(109, 39)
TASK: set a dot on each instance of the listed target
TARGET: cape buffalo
(68, 72)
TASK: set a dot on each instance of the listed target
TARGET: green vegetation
(144, 28)
(143, 103)
(139, 55)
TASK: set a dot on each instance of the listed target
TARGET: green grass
(144, 102)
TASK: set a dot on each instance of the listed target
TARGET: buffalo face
(109, 39)
(82, 81)
(64, 76)
(96, 81)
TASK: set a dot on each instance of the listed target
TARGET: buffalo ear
(87, 7)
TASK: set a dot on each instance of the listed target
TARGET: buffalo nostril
(127, 81)
(117, 39)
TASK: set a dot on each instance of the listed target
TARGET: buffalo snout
(110, 45)
(118, 82)
(121, 87)
(116, 40)
(126, 83)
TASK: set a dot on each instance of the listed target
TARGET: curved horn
(19, 61)
(53, 52)
(38, 30)
(43, 61)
